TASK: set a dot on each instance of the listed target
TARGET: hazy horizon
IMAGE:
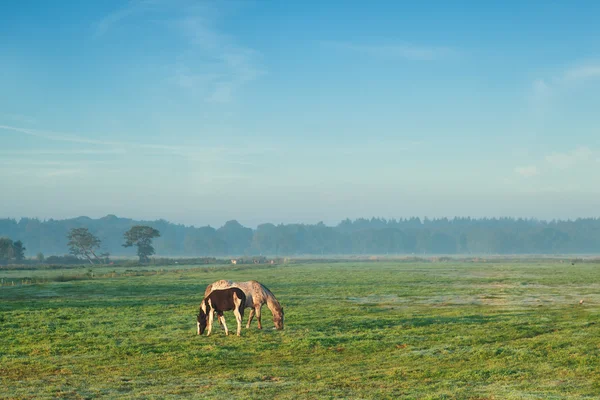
(201, 112)
(276, 222)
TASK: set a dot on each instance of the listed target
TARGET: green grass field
(451, 330)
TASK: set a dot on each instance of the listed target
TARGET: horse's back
(249, 289)
(218, 285)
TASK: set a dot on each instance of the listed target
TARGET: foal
(219, 301)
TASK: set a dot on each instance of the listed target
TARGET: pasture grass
(353, 330)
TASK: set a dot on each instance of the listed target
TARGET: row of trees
(84, 244)
(361, 236)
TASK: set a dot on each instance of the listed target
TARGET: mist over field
(361, 236)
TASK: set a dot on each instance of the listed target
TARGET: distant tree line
(361, 236)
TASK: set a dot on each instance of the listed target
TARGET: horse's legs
(219, 319)
(222, 321)
(211, 316)
(250, 318)
(238, 318)
(258, 316)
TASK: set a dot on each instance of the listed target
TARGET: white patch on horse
(222, 320)
(211, 315)
(238, 317)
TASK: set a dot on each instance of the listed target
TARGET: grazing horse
(257, 294)
(219, 301)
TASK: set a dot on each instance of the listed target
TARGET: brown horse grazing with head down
(219, 301)
(257, 294)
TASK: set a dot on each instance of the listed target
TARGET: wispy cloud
(527, 171)
(379, 147)
(581, 73)
(226, 65)
(213, 64)
(63, 152)
(48, 163)
(394, 51)
(543, 88)
(41, 168)
(61, 172)
(57, 137)
(24, 119)
(203, 154)
(544, 93)
(576, 73)
(569, 159)
(558, 161)
(47, 172)
(131, 8)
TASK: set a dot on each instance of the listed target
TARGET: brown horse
(257, 294)
(219, 301)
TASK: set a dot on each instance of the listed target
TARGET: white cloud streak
(205, 154)
(394, 51)
(19, 118)
(133, 7)
(580, 156)
(569, 159)
(582, 73)
(543, 88)
(544, 92)
(527, 171)
(57, 137)
(63, 152)
(227, 66)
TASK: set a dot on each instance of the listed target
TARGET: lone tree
(141, 236)
(6, 249)
(18, 250)
(83, 243)
(11, 250)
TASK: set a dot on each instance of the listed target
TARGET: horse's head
(203, 313)
(278, 320)
(201, 322)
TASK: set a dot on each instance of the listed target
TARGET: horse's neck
(273, 304)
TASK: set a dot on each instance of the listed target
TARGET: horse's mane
(272, 301)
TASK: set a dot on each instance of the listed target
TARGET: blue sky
(271, 111)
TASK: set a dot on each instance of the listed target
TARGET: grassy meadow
(447, 330)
